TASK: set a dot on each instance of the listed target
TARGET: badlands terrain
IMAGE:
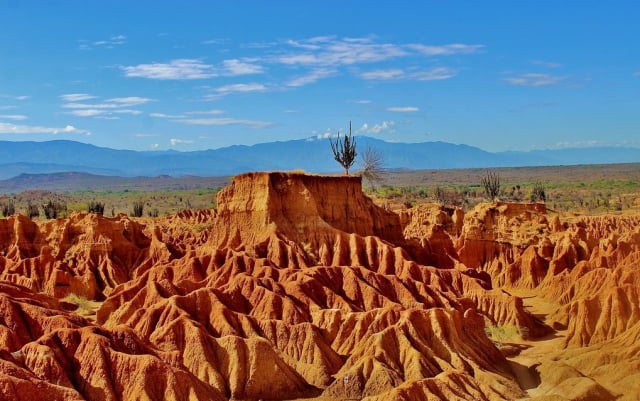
(301, 287)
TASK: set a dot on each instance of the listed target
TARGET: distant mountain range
(312, 155)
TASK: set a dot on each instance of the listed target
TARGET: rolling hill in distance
(312, 155)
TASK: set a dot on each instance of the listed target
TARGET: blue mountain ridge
(312, 155)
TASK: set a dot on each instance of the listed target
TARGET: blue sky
(193, 75)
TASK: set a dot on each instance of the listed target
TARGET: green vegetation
(95, 207)
(567, 189)
(505, 333)
(53, 209)
(8, 208)
(138, 209)
(84, 307)
(157, 202)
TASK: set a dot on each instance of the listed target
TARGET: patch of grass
(504, 333)
(84, 307)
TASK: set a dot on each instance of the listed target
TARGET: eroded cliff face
(299, 286)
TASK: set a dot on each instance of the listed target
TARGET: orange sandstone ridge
(300, 287)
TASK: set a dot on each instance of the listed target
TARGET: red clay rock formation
(299, 286)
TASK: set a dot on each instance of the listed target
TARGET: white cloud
(129, 101)
(110, 43)
(235, 88)
(403, 109)
(176, 141)
(128, 111)
(329, 51)
(534, 79)
(377, 128)
(163, 115)
(291, 111)
(179, 69)
(144, 135)
(225, 121)
(213, 112)
(383, 75)
(31, 129)
(105, 110)
(361, 101)
(547, 64)
(22, 97)
(237, 67)
(87, 112)
(76, 97)
(446, 50)
(311, 77)
(8, 107)
(434, 74)
(16, 117)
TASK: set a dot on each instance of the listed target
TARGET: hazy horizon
(171, 76)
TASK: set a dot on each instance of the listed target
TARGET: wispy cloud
(105, 109)
(360, 101)
(16, 117)
(636, 74)
(179, 69)
(331, 51)
(433, 74)
(177, 141)
(547, 64)
(76, 97)
(110, 43)
(33, 129)
(225, 121)
(214, 112)
(88, 112)
(377, 128)
(237, 67)
(163, 115)
(446, 50)
(235, 88)
(129, 101)
(313, 76)
(13, 97)
(383, 75)
(534, 79)
(403, 109)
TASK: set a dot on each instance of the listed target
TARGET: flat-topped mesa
(303, 208)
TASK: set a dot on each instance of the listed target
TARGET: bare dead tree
(372, 165)
(344, 150)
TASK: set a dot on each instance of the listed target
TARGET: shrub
(32, 210)
(95, 207)
(8, 208)
(440, 196)
(537, 193)
(53, 210)
(138, 208)
(491, 184)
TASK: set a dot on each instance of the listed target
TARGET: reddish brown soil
(299, 286)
